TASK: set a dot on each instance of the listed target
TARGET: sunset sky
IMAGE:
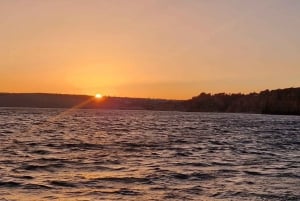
(149, 48)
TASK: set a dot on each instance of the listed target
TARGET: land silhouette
(279, 101)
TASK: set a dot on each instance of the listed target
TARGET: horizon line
(112, 96)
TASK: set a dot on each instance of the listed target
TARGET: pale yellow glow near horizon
(152, 49)
(98, 96)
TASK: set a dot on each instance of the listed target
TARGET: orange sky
(149, 48)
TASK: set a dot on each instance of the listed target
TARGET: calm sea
(55, 154)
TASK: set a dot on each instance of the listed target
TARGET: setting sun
(98, 96)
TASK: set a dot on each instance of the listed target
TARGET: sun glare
(98, 96)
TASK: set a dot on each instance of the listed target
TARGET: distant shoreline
(279, 101)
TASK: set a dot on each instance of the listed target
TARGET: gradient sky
(149, 48)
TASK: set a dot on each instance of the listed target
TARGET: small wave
(197, 190)
(203, 176)
(254, 173)
(193, 176)
(125, 191)
(49, 167)
(124, 179)
(7, 131)
(79, 146)
(285, 197)
(62, 183)
(9, 184)
(180, 176)
(290, 175)
(24, 177)
(223, 164)
(41, 152)
(182, 154)
(36, 186)
(196, 164)
(229, 194)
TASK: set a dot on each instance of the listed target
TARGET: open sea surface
(58, 154)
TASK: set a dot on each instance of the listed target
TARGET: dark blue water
(54, 154)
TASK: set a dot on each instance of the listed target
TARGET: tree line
(280, 101)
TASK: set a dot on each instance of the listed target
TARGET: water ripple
(47, 154)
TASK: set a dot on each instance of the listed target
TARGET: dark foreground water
(52, 154)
